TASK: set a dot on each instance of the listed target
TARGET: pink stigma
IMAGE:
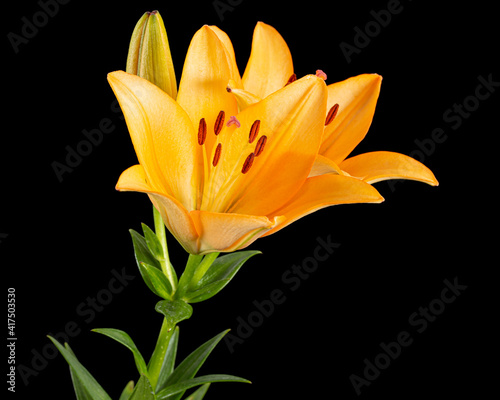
(321, 74)
(233, 121)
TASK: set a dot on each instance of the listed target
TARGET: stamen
(259, 148)
(202, 132)
(217, 155)
(321, 74)
(254, 131)
(219, 122)
(233, 121)
(292, 78)
(248, 163)
(332, 114)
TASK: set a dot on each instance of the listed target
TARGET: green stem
(187, 275)
(206, 263)
(158, 357)
(166, 266)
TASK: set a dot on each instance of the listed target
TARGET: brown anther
(202, 132)
(248, 163)
(332, 114)
(219, 122)
(217, 155)
(292, 78)
(259, 147)
(254, 131)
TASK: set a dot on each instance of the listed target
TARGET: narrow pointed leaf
(200, 393)
(94, 390)
(144, 255)
(169, 360)
(127, 391)
(142, 252)
(152, 242)
(181, 387)
(174, 311)
(80, 391)
(206, 291)
(126, 340)
(188, 368)
(220, 273)
(143, 390)
(160, 285)
(227, 266)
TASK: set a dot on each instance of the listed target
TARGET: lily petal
(175, 216)
(324, 191)
(270, 64)
(323, 165)
(202, 90)
(231, 58)
(134, 179)
(243, 97)
(382, 165)
(162, 134)
(229, 232)
(292, 120)
(357, 98)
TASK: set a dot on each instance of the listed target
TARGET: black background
(61, 240)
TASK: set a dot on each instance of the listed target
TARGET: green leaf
(188, 368)
(152, 242)
(142, 252)
(126, 340)
(181, 387)
(144, 255)
(127, 391)
(200, 393)
(220, 273)
(186, 277)
(143, 390)
(80, 391)
(205, 292)
(226, 267)
(169, 360)
(160, 285)
(174, 311)
(93, 389)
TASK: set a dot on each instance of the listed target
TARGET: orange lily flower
(351, 105)
(223, 177)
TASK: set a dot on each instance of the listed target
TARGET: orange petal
(229, 232)
(382, 165)
(175, 216)
(134, 179)
(202, 90)
(270, 64)
(231, 58)
(357, 98)
(322, 166)
(324, 191)
(292, 120)
(243, 97)
(162, 134)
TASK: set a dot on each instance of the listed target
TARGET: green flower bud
(149, 53)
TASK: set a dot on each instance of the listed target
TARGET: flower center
(216, 189)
